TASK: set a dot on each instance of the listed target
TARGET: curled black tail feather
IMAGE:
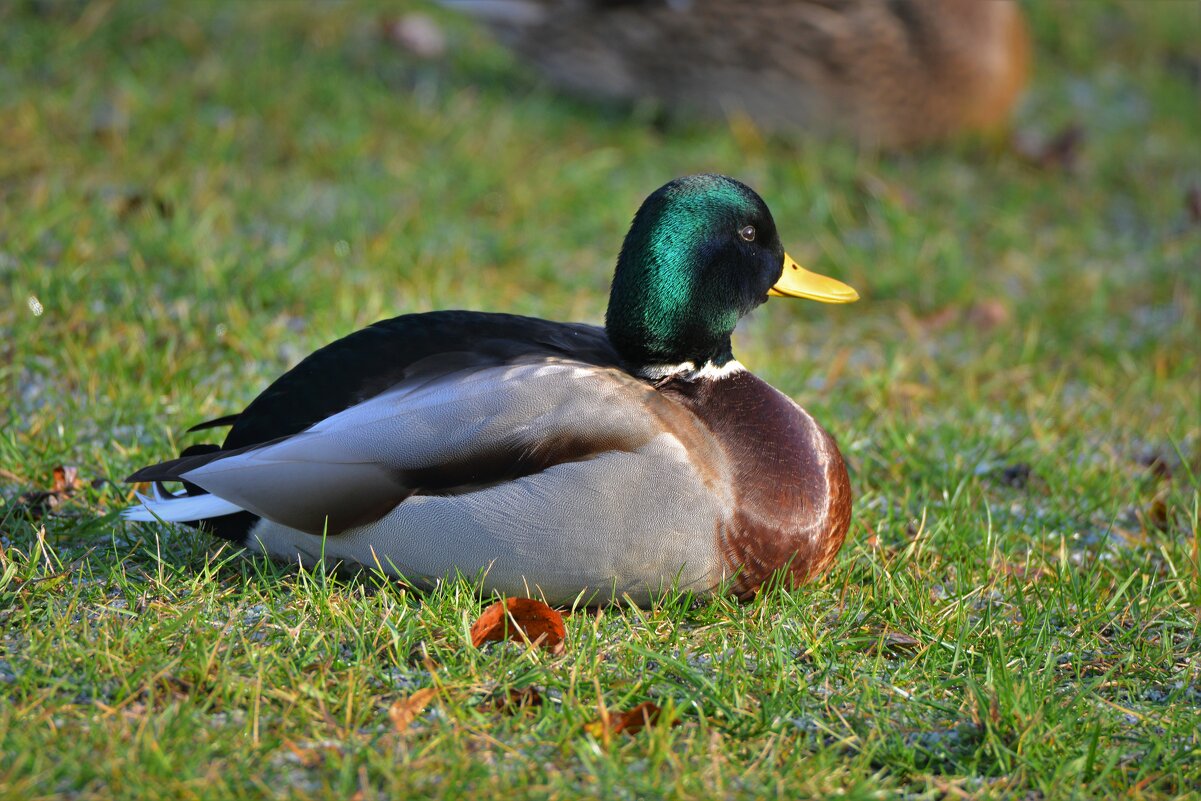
(227, 420)
(235, 527)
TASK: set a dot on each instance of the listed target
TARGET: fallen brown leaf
(517, 699)
(987, 315)
(632, 721)
(66, 479)
(66, 483)
(403, 712)
(307, 757)
(900, 641)
(520, 620)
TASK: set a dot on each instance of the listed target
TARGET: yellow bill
(797, 282)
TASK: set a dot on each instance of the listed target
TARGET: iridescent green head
(702, 252)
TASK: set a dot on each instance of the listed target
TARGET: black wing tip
(171, 469)
(154, 472)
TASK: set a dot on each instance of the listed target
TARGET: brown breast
(791, 501)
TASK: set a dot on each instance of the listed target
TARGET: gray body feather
(588, 442)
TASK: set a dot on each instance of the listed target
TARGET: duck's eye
(747, 232)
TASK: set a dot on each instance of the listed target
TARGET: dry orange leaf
(306, 754)
(404, 711)
(631, 721)
(635, 720)
(66, 479)
(520, 619)
(66, 484)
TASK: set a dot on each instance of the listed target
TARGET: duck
(570, 462)
(896, 75)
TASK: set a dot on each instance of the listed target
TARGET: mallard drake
(574, 462)
(893, 74)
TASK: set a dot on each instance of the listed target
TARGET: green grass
(194, 196)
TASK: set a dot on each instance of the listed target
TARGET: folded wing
(444, 434)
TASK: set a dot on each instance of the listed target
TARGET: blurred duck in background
(888, 73)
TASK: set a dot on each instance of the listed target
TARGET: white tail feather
(178, 508)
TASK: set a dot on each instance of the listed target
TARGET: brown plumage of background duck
(888, 73)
